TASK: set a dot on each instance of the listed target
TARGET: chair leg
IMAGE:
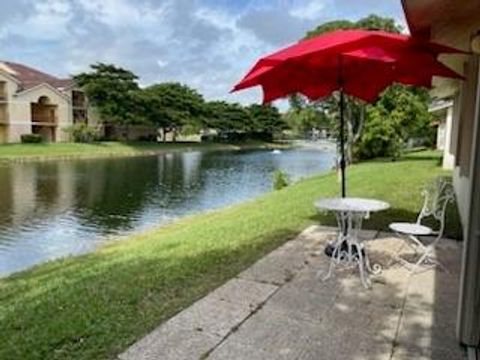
(395, 256)
(434, 260)
(417, 244)
(419, 262)
(426, 257)
(419, 248)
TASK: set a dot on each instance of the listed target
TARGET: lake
(58, 208)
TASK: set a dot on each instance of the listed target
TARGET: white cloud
(47, 23)
(124, 13)
(162, 63)
(311, 10)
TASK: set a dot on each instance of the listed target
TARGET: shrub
(82, 133)
(31, 138)
(280, 180)
(380, 138)
(148, 138)
(208, 138)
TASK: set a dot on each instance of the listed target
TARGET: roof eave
(10, 76)
(419, 32)
(57, 91)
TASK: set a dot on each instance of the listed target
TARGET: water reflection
(53, 209)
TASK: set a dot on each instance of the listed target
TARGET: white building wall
(441, 136)
(463, 136)
(462, 193)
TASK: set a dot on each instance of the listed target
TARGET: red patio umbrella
(361, 63)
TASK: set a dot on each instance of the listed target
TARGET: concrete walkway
(280, 309)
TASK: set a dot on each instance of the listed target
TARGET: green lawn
(15, 152)
(94, 306)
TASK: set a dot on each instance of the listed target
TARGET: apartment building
(33, 102)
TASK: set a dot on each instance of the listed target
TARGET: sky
(206, 44)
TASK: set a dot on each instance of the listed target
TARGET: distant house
(33, 102)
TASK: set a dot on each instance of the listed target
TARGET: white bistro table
(348, 248)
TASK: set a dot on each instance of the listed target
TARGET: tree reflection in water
(52, 209)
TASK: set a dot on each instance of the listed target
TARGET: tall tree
(113, 91)
(171, 106)
(236, 122)
(228, 117)
(371, 22)
(266, 119)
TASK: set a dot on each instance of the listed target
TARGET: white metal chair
(435, 204)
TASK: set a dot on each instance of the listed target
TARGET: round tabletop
(351, 204)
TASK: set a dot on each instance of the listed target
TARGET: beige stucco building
(32, 101)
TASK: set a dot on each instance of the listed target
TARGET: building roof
(422, 15)
(29, 77)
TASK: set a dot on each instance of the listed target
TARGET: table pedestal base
(348, 250)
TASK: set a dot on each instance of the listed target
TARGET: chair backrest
(436, 198)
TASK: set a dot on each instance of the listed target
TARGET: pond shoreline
(95, 153)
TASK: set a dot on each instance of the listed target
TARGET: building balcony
(45, 121)
(78, 100)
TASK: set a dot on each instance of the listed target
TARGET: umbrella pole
(342, 142)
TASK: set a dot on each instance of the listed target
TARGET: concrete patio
(280, 309)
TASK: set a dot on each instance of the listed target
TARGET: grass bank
(47, 151)
(94, 306)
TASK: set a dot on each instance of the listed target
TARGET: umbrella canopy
(360, 63)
